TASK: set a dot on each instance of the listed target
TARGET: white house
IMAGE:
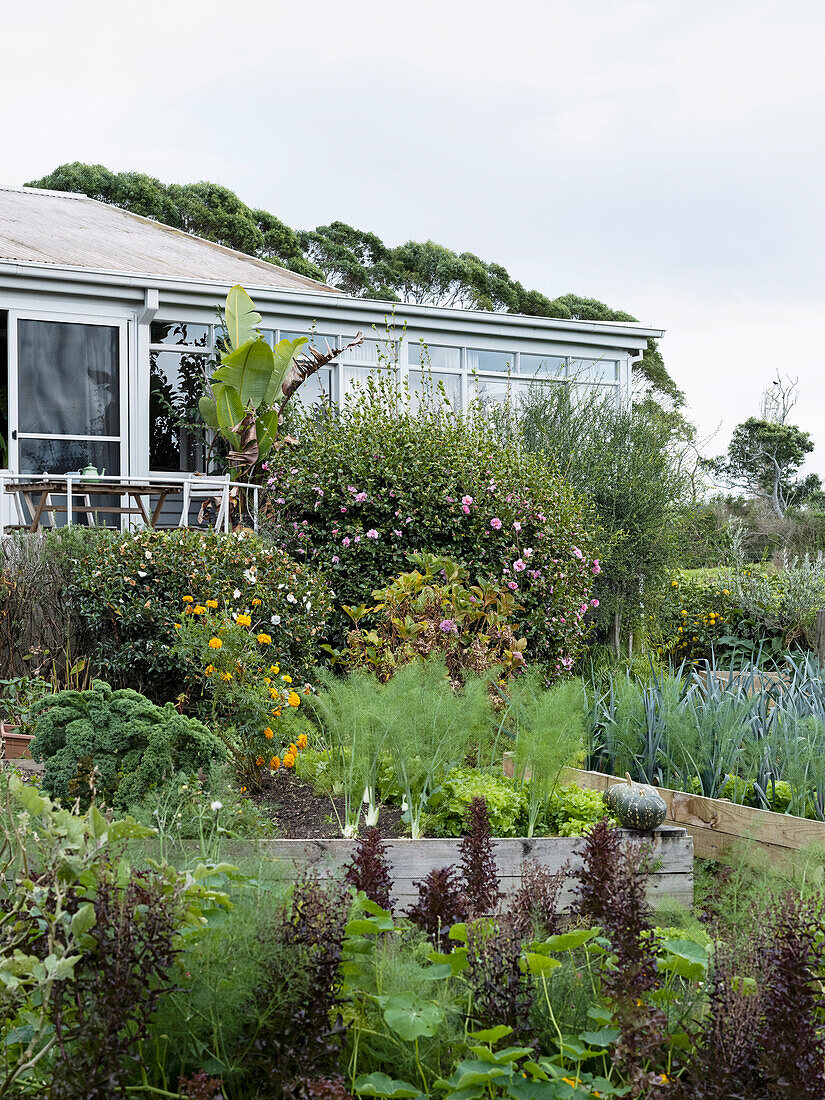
(107, 320)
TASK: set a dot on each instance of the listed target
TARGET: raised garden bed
(15, 744)
(411, 860)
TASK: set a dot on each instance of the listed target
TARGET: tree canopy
(356, 261)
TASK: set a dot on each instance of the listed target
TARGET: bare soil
(298, 812)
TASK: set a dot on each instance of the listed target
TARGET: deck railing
(13, 506)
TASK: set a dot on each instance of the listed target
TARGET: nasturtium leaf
(569, 941)
(491, 1034)
(379, 1084)
(458, 932)
(601, 1038)
(539, 964)
(411, 1019)
(686, 958)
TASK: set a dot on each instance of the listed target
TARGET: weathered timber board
(412, 860)
(720, 828)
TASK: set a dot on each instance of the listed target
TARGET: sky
(667, 158)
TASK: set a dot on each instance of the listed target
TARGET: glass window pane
(490, 360)
(379, 352)
(69, 378)
(64, 456)
(594, 370)
(316, 388)
(437, 385)
(488, 391)
(319, 340)
(176, 430)
(549, 366)
(180, 333)
(434, 356)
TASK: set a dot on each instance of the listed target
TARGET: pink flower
(577, 552)
(516, 526)
(360, 498)
(350, 488)
(594, 603)
(448, 626)
(512, 586)
(372, 533)
(335, 559)
(343, 509)
(357, 538)
(518, 565)
(466, 501)
(596, 567)
(345, 540)
(465, 509)
(495, 522)
(397, 534)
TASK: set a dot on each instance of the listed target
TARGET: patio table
(38, 496)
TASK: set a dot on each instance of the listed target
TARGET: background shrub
(131, 744)
(378, 479)
(128, 591)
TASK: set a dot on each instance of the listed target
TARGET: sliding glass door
(67, 394)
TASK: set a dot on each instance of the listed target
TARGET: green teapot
(91, 473)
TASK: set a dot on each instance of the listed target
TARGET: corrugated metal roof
(69, 230)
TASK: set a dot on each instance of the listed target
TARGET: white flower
(236, 595)
(141, 573)
(249, 576)
(275, 620)
(148, 556)
(216, 805)
(290, 598)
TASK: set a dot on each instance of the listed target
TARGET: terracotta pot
(15, 745)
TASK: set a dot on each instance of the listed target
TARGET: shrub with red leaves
(441, 903)
(369, 869)
(478, 863)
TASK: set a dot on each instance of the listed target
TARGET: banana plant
(253, 384)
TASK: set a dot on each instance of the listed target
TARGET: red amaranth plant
(369, 869)
(478, 862)
(501, 993)
(440, 904)
(532, 907)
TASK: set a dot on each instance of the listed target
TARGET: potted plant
(19, 695)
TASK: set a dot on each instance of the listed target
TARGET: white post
(69, 509)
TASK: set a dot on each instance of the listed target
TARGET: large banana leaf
(249, 371)
(209, 411)
(267, 425)
(242, 319)
(283, 355)
(228, 407)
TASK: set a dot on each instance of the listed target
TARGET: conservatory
(108, 324)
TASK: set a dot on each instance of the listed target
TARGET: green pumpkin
(635, 805)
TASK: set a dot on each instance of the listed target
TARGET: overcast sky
(665, 157)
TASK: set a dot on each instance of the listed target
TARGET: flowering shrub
(434, 609)
(696, 616)
(232, 674)
(376, 481)
(127, 592)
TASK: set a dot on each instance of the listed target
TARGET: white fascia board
(322, 307)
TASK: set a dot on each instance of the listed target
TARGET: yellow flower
(215, 643)
(292, 750)
(255, 602)
(275, 669)
(198, 609)
(302, 741)
(244, 620)
(226, 675)
(674, 584)
(275, 763)
(276, 713)
(267, 680)
(264, 639)
(177, 626)
(212, 603)
(289, 760)
(268, 734)
(188, 599)
(260, 762)
(273, 694)
(287, 679)
(294, 699)
(725, 592)
(209, 670)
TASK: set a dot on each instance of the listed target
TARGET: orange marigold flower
(209, 670)
(292, 749)
(255, 602)
(302, 741)
(226, 675)
(275, 763)
(287, 679)
(264, 639)
(212, 603)
(188, 599)
(260, 761)
(276, 713)
(275, 669)
(244, 620)
(294, 699)
(289, 760)
(268, 734)
(177, 626)
(215, 643)
(198, 609)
